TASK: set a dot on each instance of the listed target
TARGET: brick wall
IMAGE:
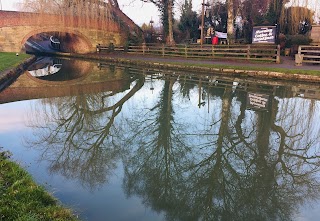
(17, 27)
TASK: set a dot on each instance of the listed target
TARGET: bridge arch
(78, 43)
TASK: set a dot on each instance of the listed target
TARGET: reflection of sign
(264, 34)
(257, 101)
(221, 34)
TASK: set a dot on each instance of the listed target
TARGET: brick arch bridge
(78, 36)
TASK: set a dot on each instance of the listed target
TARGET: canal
(136, 144)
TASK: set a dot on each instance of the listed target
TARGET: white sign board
(264, 34)
(221, 34)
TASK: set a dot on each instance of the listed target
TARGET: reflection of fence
(271, 87)
(244, 52)
(308, 54)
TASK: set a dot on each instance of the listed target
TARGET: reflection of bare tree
(247, 166)
(78, 134)
(254, 180)
(186, 85)
(155, 170)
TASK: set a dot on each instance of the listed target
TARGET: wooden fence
(242, 52)
(308, 54)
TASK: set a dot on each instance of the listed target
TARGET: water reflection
(238, 165)
(191, 149)
(79, 134)
(45, 66)
(59, 70)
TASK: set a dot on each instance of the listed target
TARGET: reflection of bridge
(90, 80)
(17, 27)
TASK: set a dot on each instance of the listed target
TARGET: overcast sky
(139, 11)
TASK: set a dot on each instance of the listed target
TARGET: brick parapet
(11, 18)
(17, 27)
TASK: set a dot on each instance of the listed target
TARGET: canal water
(135, 144)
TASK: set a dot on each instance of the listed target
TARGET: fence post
(186, 50)
(248, 52)
(212, 51)
(163, 50)
(278, 54)
(143, 48)
(98, 48)
(298, 57)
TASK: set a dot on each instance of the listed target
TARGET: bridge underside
(56, 41)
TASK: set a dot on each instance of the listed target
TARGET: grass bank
(23, 200)
(10, 60)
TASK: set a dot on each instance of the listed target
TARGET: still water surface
(132, 144)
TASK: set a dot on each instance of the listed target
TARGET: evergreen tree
(188, 21)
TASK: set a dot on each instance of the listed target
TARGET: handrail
(307, 54)
(54, 44)
(53, 41)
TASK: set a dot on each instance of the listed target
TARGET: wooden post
(163, 53)
(298, 57)
(212, 51)
(248, 52)
(278, 55)
(143, 48)
(299, 49)
(186, 50)
(98, 48)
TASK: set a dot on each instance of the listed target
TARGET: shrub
(297, 40)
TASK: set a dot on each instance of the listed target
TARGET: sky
(139, 11)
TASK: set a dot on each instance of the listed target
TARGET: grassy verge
(10, 60)
(22, 200)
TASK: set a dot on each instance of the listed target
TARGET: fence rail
(308, 54)
(242, 52)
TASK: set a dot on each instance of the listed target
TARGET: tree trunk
(230, 22)
(170, 39)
